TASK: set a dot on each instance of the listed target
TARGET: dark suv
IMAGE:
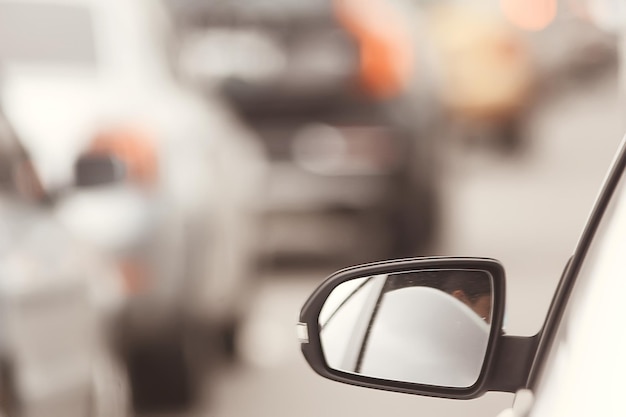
(330, 98)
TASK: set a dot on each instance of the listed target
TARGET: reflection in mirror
(427, 327)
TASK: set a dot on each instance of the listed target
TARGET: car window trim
(547, 334)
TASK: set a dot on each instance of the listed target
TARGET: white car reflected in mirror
(426, 327)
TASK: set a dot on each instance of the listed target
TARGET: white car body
(55, 301)
(209, 169)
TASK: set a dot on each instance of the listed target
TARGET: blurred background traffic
(177, 175)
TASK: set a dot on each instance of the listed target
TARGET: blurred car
(141, 167)
(326, 87)
(486, 69)
(57, 301)
(574, 47)
(606, 14)
(573, 366)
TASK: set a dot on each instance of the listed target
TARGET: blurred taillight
(532, 15)
(386, 51)
(134, 276)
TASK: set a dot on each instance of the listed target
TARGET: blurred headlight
(357, 150)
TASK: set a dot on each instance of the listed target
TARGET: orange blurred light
(385, 46)
(531, 15)
(134, 147)
(134, 276)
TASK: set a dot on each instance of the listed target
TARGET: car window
(45, 34)
(586, 367)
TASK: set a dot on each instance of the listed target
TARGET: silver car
(351, 154)
(57, 302)
(143, 169)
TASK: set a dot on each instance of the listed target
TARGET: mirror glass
(427, 327)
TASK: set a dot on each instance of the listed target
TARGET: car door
(580, 366)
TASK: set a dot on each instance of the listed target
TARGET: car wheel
(414, 224)
(161, 377)
(9, 404)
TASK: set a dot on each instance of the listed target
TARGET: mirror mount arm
(512, 362)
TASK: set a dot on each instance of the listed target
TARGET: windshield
(37, 33)
(586, 366)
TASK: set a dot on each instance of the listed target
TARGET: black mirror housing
(98, 169)
(312, 347)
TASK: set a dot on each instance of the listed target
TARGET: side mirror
(98, 169)
(425, 326)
